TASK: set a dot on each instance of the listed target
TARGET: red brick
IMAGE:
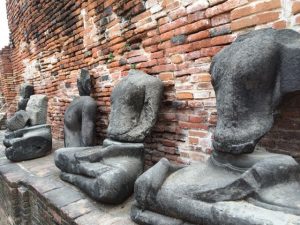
(222, 40)
(224, 7)
(176, 59)
(210, 51)
(253, 20)
(162, 68)
(297, 19)
(280, 24)
(187, 125)
(156, 55)
(192, 17)
(255, 7)
(180, 12)
(169, 116)
(138, 59)
(184, 95)
(173, 25)
(296, 7)
(193, 141)
(201, 77)
(141, 16)
(197, 6)
(151, 41)
(198, 26)
(166, 76)
(198, 36)
(200, 134)
(146, 27)
(220, 19)
(193, 55)
(148, 64)
(179, 49)
(197, 119)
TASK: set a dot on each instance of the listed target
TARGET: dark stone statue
(18, 121)
(21, 118)
(249, 77)
(28, 143)
(29, 136)
(107, 173)
(80, 116)
(26, 90)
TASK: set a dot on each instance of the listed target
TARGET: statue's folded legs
(107, 173)
(28, 143)
(28, 135)
(235, 186)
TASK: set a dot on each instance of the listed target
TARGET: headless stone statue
(26, 90)
(21, 118)
(107, 173)
(249, 77)
(29, 136)
(80, 116)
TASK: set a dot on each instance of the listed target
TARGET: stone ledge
(31, 193)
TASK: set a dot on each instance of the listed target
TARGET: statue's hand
(91, 155)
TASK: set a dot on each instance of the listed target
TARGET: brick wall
(23, 205)
(7, 82)
(171, 39)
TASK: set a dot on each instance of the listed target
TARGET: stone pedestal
(29, 136)
(261, 188)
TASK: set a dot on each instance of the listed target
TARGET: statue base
(106, 173)
(257, 188)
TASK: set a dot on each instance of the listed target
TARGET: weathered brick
(166, 76)
(197, 6)
(297, 20)
(255, 7)
(220, 30)
(173, 25)
(220, 19)
(184, 95)
(200, 77)
(193, 140)
(198, 36)
(178, 40)
(199, 134)
(296, 7)
(253, 20)
(224, 7)
(280, 24)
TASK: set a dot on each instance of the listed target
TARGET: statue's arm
(95, 154)
(149, 183)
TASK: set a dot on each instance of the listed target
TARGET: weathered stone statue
(107, 173)
(249, 77)
(26, 90)
(29, 136)
(80, 116)
(20, 119)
